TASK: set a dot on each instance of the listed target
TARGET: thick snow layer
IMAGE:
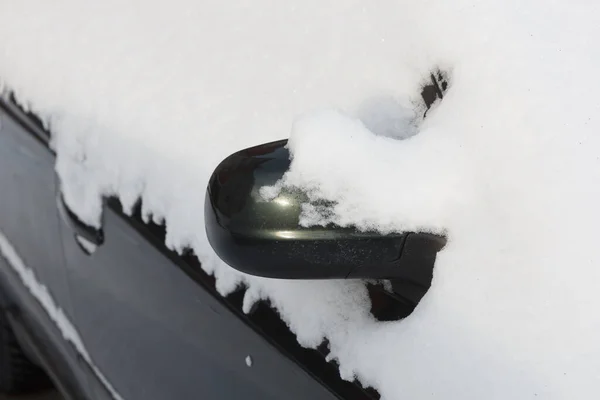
(40, 292)
(144, 98)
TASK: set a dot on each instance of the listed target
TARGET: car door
(28, 213)
(154, 332)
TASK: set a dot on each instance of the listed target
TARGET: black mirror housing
(262, 237)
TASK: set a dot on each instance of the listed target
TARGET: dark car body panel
(151, 320)
(28, 214)
(145, 321)
(43, 340)
(29, 219)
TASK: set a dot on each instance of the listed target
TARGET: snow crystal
(145, 98)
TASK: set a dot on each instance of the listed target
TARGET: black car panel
(28, 218)
(28, 214)
(144, 320)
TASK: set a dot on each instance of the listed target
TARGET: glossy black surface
(262, 236)
(30, 221)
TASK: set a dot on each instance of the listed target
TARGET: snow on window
(144, 98)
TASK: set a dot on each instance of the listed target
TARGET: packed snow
(144, 98)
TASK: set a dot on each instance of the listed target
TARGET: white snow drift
(144, 98)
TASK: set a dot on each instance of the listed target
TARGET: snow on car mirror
(263, 237)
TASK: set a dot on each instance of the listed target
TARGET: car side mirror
(263, 237)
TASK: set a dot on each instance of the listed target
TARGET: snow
(145, 98)
(41, 294)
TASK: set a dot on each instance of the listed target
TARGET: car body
(125, 317)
